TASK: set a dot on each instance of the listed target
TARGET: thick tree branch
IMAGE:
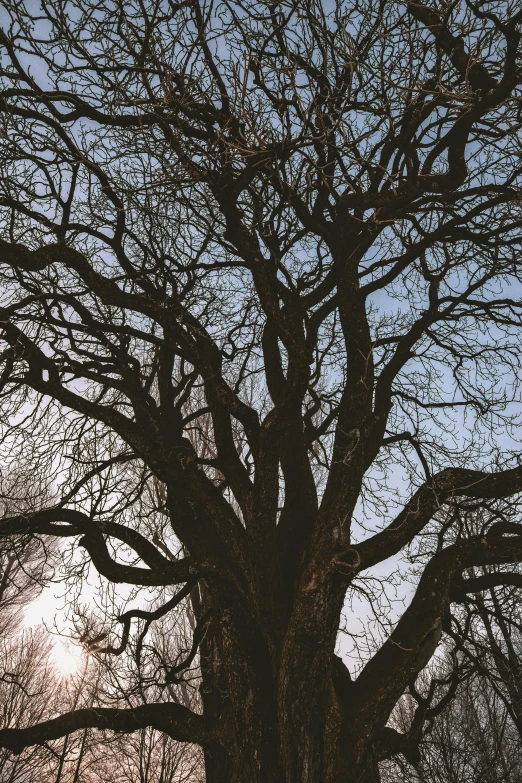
(452, 482)
(176, 721)
(48, 522)
(416, 636)
(478, 584)
(453, 47)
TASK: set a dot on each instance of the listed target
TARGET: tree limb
(47, 522)
(419, 510)
(176, 721)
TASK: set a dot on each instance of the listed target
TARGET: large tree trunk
(265, 749)
(286, 705)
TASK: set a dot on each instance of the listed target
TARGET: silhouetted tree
(261, 323)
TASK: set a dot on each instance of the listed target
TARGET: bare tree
(261, 323)
(488, 632)
(127, 680)
(472, 740)
(26, 564)
(33, 689)
(27, 688)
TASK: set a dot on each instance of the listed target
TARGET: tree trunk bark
(315, 755)
(286, 720)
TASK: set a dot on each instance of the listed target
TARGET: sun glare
(67, 658)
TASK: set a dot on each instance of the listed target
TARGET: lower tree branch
(416, 636)
(199, 634)
(176, 721)
(392, 743)
(478, 584)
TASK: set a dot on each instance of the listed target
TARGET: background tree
(261, 321)
(473, 739)
(26, 688)
(33, 687)
(26, 564)
(486, 629)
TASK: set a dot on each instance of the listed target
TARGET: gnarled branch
(176, 721)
